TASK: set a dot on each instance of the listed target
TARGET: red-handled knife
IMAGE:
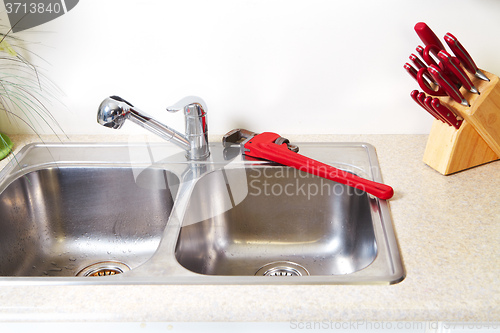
(421, 99)
(453, 65)
(414, 74)
(427, 103)
(414, 95)
(417, 62)
(411, 70)
(446, 84)
(446, 113)
(427, 36)
(434, 50)
(464, 56)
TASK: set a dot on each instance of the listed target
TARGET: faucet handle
(195, 112)
(187, 104)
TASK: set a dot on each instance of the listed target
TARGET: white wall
(290, 66)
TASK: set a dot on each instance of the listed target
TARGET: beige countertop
(448, 228)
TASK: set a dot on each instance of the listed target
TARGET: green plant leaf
(5, 146)
(4, 46)
(26, 94)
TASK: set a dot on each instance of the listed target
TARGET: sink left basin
(69, 220)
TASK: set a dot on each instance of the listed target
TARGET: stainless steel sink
(142, 213)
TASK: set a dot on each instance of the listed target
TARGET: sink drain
(104, 268)
(282, 268)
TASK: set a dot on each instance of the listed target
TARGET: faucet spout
(114, 110)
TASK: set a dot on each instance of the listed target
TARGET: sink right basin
(289, 223)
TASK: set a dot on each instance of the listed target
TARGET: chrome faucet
(114, 110)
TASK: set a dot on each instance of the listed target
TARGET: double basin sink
(141, 213)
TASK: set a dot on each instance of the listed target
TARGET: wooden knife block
(477, 141)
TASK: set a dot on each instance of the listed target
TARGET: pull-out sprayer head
(113, 112)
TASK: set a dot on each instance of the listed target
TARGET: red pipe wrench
(272, 147)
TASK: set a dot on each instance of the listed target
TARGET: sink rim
(162, 267)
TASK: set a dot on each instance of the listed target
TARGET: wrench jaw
(242, 137)
(238, 136)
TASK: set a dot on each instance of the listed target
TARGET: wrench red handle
(263, 146)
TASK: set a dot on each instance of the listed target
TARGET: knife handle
(464, 56)
(428, 104)
(420, 50)
(425, 85)
(420, 64)
(427, 36)
(446, 84)
(453, 65)
(414, 72)
(420, 98)
(442, 110)
(411, 70)
(414, 96)
(416, 61)
(461, 53)
(438, 63)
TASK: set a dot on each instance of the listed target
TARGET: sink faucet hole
(104, 268)
(282, 268)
